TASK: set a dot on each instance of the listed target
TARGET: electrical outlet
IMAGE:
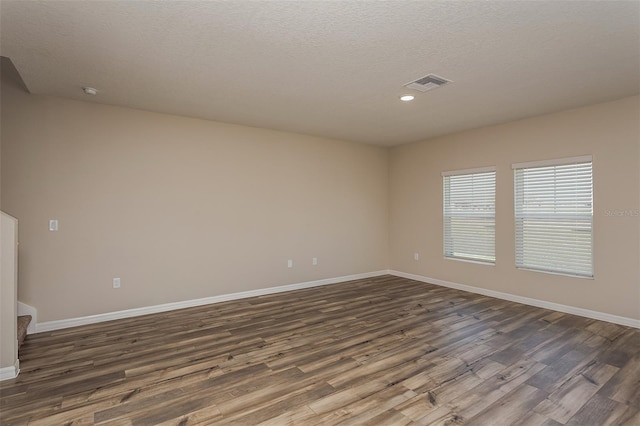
(116, 283)
(416, 256)
(53, 225)
(290, 263)
(314, 261)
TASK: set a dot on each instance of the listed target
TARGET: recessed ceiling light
(89, 91)
(407, 98)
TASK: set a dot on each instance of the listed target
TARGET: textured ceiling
(333, 69)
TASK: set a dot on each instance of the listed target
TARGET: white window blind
(470, 215)
(554, 217)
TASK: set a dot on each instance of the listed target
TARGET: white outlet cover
(53, 225)
(116, 283)
(289, 263)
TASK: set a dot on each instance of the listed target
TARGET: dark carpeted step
(23, 323)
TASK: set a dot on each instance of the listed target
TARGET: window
(470, 214)
(554, 216)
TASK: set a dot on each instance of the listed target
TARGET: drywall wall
(181, 208)
(178, 208)
(8, 290)
(609, 131)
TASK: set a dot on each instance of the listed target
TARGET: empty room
(320, 212)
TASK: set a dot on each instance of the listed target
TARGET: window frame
(519, 216)
(447, 250)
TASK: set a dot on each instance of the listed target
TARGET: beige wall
(609, 131)
(8, 289)
(179, 208)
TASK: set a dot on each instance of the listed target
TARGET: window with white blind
(469, 199)
(554, 216)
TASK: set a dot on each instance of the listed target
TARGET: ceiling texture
(330, 68)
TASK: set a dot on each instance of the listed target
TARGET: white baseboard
(73, 322)
(91, 319)
(630, 322)
(24, 309)
(12, 372)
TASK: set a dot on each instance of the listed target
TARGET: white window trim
(562, 274)
(466, 172)
(469, 171)
(464, 259)
(560, 162)
(554, 162)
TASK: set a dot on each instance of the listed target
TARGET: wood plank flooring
(379, 351)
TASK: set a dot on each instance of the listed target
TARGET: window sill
(478, 262)
(563, 274)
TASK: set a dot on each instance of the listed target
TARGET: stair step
(23, 323)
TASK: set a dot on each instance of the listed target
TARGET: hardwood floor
(384, 351)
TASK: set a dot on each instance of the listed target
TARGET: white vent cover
(427, 83)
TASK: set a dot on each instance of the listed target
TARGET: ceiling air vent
(427, 83)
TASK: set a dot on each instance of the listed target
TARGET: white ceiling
(333, 69)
